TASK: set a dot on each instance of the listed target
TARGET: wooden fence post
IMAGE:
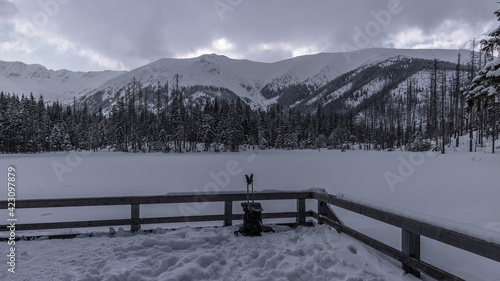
(135, 215)
(321, 209)
(301, 208)
(228, 213)
(325, 211)
(411, 247)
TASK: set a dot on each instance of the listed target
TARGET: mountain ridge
(23, 79)
(259, 84)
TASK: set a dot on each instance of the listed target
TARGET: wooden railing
(411, 229)
(136, 221)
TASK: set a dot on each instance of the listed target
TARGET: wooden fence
(411, 229)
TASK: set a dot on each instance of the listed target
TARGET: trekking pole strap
(253, 195)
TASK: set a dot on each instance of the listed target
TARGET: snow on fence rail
(412, 227)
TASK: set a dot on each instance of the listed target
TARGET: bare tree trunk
(433, 109)
(443, 130)
(456, 122)
(495, 126)
(480, 124)
(494, 134)
(471, 136)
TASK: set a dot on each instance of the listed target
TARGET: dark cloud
(136, 32)
(7, 9)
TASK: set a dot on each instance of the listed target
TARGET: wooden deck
(411, 229)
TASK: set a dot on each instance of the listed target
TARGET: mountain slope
(359, 87)
(62, 85)
(299, 82)
(291, 82)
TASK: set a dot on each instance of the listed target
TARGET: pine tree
(207, 130)
(84, 129)
(483, 94)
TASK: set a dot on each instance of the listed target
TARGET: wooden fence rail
(136, 221)
(411, 229)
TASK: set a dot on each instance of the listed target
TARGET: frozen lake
(457, 186)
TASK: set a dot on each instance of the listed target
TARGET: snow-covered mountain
(297, 82)
(359, 88)
(62, 85)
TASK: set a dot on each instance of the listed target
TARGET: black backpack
(252, 220)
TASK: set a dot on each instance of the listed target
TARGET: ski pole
(253, 196)
(249, 181)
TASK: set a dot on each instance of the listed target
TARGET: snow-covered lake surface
(458, 186)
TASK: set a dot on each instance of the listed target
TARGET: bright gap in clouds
(222, 45)
(219, 46)
(451, 34)
(287, 48)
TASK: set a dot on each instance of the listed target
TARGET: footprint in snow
(352, 249)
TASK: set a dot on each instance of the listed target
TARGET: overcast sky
(97, 35)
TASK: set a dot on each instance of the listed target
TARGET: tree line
(30, 125)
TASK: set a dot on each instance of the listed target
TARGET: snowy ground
(206, 254)
(458, 186)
